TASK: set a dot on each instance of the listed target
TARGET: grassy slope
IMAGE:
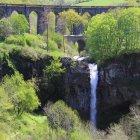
(101, 3)
(46, 2)
(90, 3)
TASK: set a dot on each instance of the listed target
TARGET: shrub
(116, 133)
(16, 39)
(62, 116)
(52, 45)
(29, 53)
(54, 70)
(57, 38)
(35, 40)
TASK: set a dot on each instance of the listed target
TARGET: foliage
(110, 34)
(35, 40)
(21, 94)
(61, 116)
(19, 23)
(5, 28)
(57, 38)
(116, 132)
(54, 70)
(107, 3)
(41, 2)
(71, 18)
(16, 39)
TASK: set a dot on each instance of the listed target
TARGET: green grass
(1, 43)
(101, 3)
(28, 126)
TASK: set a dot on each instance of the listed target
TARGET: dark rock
(77, 87)
(118, 85)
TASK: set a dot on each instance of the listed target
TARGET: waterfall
(93, 82)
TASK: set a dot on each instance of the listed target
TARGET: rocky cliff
(77, 86)
(119, 86)
(73, 86)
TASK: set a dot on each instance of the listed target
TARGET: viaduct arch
(7, 9)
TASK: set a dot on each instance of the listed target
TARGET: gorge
(55, 89)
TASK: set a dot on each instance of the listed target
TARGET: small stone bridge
(77, 38)
(7, 9)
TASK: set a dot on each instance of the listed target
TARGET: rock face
(119, 85)
(73, 86)
(76, 91)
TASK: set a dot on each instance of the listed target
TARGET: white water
(93, 82)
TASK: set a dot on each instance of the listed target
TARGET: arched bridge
(7, 9)
(77, 38)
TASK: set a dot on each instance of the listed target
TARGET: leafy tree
(129, 26)
(71, 18)
(113, 33)
(21, 94)
(5, 28)
(100, 35)
(19, 23)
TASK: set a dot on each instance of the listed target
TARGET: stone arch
(14, 13)
(33, 21)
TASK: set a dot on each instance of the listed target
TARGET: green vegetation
(71, 18)
(21, 95)
(46, 2)
(32, 45)
(108, 35)
(60, 115)
(72, 2)
(107, 3)
(114, 33)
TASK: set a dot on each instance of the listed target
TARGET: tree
(19, 23)
(112, 34)
(100, 36)
(72, 18)
(21, 93)
(5, 28)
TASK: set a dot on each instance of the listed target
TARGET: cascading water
(93, 82)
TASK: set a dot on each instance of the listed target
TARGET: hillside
(43, 2)
(102, 3)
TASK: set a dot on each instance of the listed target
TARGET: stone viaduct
(7, 9)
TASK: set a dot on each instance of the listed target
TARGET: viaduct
(7, 9)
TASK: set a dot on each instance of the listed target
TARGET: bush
(35, 40)
(16, 39)
(62, 116)
(58, 39)
(52, 45)
(53, 70)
